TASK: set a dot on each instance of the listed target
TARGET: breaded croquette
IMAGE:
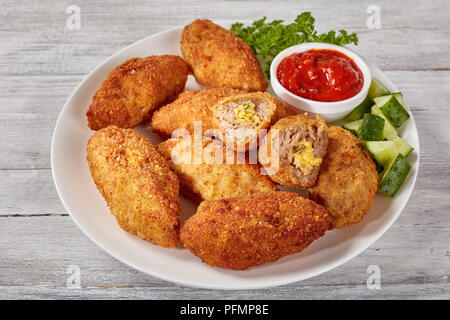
(212, 176)
(298, 143)
(219, 58)
(348, 179)
(239, 233)
(192, 105)
(195, 105)
(282, 111)
(133, 90)
(136, 181)
(240, 116)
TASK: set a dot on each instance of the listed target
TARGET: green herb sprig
(267, 39)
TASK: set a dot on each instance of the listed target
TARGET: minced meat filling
(297, 150)
(242, 114)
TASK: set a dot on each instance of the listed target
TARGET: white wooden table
(42, 61)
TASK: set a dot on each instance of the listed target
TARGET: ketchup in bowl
(321, 75)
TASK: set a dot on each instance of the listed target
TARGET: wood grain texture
(41, 62)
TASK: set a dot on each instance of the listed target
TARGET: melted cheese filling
(246, 112)
(301, 156)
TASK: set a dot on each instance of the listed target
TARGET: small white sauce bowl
(330, 111)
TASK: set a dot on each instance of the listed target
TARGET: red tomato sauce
(320, 75)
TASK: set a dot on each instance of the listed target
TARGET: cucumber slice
(394, 176)
(371, 128)
(377, 89)
(402, 146)
(393, 110)
(389, 132)
(359, 111)
(353, 126)
(382, 151)
(400, 98)
(379, 101)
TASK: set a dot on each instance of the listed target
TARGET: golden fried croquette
(136, 181)
(282, 111)
(348, 179)
(212, 176)
(239, 114)
(192, 105)
(239, 233)
(134, 89)
(241, 117)
(293, 150)
(219, 58)
(195, 105)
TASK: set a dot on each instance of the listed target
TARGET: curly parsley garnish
(267, 39)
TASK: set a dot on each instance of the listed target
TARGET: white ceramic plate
(89, 211)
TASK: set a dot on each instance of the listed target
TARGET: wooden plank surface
(41, 62)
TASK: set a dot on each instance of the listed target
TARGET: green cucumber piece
(389, 132)
(403, 147)
(371, 128)
(400, 98)
(379, 101)
(353, 126)
(358, 112)
(394, 176)
(376, 89)
(382, 151)
(392, 109)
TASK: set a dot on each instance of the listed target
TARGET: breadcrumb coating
(136, 181)
(195, 105)
(348, 179)
(219, 58)
(239, 233)
(212, 177)
(192, 105)
(282, 111)
(131, 91)
(200, 105)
